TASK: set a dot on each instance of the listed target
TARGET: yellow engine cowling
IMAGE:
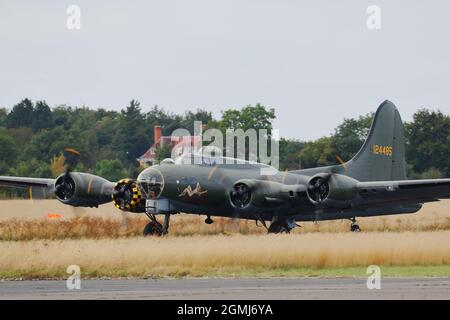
(126, 196)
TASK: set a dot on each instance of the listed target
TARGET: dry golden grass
(98, 228)
(206, 255)
(24, 219)
(185, 225)
(106, 242)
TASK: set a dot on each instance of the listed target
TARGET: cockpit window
(202, 160)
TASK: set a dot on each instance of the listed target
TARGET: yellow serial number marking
(383, 150)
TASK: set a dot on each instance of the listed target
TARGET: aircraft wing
(21, 182)
(404, 191)
(77, 189)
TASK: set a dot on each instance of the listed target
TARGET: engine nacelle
(332, 190)
(83, 189)
(247, 193)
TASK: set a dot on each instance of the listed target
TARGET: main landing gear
(354, 227)
(154, 228)
(208, 220)
(282, 226)
(278, 227)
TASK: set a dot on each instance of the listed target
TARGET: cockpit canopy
(206, 160)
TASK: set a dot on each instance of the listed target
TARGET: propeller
(121, 193)
(126, 195)
(240, 195)
(65, 186)
(72, 157)
(318, 188)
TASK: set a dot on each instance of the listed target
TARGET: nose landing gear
(153, 229)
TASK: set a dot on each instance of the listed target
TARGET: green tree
(190, 117)
(42, 117)
(318, 153)
(3, 116)
(21, 136)
(431, 173)
(46, 144)
(8, 149)
(8, 153)
(112, 170)
(131, 138)
(32, 168)
(169, 122)
(350, 135)
(428, 142)
(63, 116)
(290, 154)
(21, 115)
(105, 129)
(250, 117)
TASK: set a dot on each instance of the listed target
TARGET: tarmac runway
(230, 289)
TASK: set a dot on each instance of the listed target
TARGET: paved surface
(300, 288)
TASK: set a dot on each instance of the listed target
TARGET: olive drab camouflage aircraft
(372, 183)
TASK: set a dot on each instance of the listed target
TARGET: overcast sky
(315, 62)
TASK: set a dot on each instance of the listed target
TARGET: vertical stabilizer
(382, 156)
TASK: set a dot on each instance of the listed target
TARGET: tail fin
(382, 156)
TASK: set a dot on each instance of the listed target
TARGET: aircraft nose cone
(151, 182)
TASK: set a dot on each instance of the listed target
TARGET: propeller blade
(72, 157)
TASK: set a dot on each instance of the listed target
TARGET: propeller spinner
(240, 195)
(319, 188)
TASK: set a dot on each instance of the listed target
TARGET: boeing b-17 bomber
(372, 183)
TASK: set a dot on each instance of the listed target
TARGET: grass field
(107, 243)
(427, 253)
(184, 225)
(108, 222)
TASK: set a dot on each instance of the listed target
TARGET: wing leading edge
(21, 182)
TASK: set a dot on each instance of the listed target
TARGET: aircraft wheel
(355, 228)
(152, 229)
(208, 220)
(278, 227)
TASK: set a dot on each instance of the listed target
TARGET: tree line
(33, 136)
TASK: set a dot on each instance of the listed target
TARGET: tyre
(278, 227)
(152, 229)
